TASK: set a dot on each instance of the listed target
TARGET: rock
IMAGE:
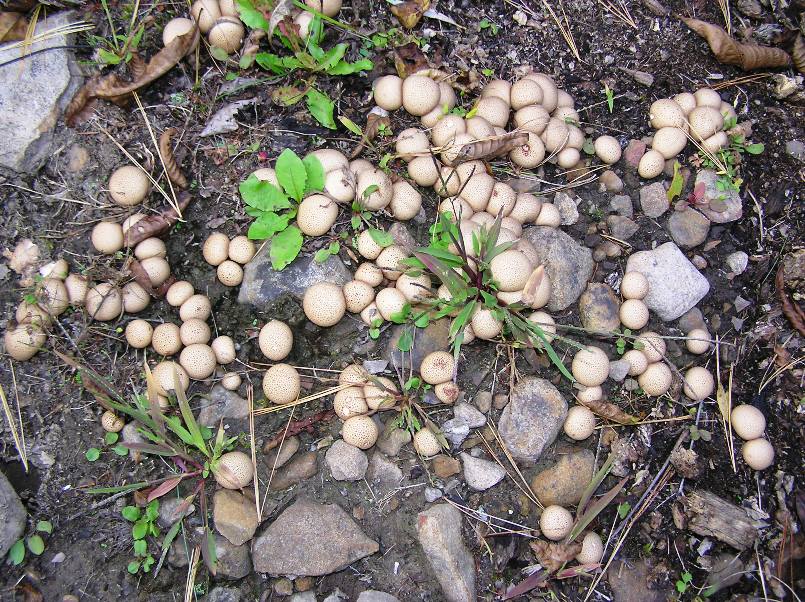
(469, 415)
(310, 539)
(439, 531)
(796, 149)
(12, 516)
(633, 152)
(618, 370)
(279, 456)
(688, 228)
(223, 594)
(300, 467)
(621, 227)
(262, 284)
(675, 285)
(283, 587)
(455, 431)
(564, 483)
(481, 474)
(346, 462)
(77, 158)
(303, 597)
(402, 236)
(598, 308)
(392, 439)
(568, 209)
(737, 262)
(532, 419)
(383, 471)
(483, 401)
(434, 337)
(234, 561)
(235, 516)
(371, 595)
(223, 405)
(728, 202)
(569, 264)
(622, 205)
(610, 182)
(635, 581)
(653, 200)
(445, 466)
(432, 494)
(691, 320)
(169, 511)
(33, 94)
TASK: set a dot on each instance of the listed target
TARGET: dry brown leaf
(373, 123)
(409, 13)
(553, 555)
(171, 166)
(491, 147)
(798, 53)
(137, 66)
(12, 26)
(154, 225)
(791, 310)
(409, 59)
(610, 411)
(532, 285)
(730, 52)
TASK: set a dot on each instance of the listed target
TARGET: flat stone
(564, 483)
(402, 236)
(728, 202)
(383, 471)
(622, 227)
(300, 467)
(481, 474)
(234, 561)
(654, 200)
(455, 431)
(439, 531)
(483, 401)
(169, 511)
(619, 370)
(569, 264)
(633, 152)
(235, 516)
(567, 207)
(796, 149)
(393, 438)
(675, 285)
(223, 594)
(278, 456)
(262, 284)
(688, 228)
(310, 539)
(445, 466)
(33, 93)
(222, 405)
(622, 205)
(308, 596)
(346, 462)
(532, 419)
(737, 262)
(469, 415)
(432, 494)
(372, 595)
(610, 182)
(434, 337)
(12, 516)
(598, 308)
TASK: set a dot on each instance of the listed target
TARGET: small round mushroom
(228, 8)
(699, 383)
(478, 128)
(410, 143)
(707, 97)
(166, 339)
(28, 313)
(478, 190)
(380, 186)
(716, 142)
(420, 95)
(686, 101)
(494, 110)
(150, 247)
(497, 87)
(316, 215)
(633, 314)
(360, 431)
(634, 285)
(241, 250)
(511, 270)
(205, 13)
(704, 122)
(502, 199)
(426, 443)
(485, 325)
(111, 422)
(545, 322)
(526, 210)
(224, 349)
(592, 549)
(698, 341)
(447, 128)
(268, 174)
(179, 27)
(350, 402)
(590, 394)
(415, 288)
(196, 306)
(194, 331)
(324, 304)
(216, 248)
(550, 93)
(135, 298)
(164, 379)
(555, 522)
(388, 92)
(234, 470)
(555, 136)
(656, 379)
(227, 34)
(579, 423)
(608, 149)
(528, 155)
(353, 374)
(437, 367)
(448, 183)
(666, 113)
(424, 171)
(198, 360)
(669, 142)
(390, 301)
(58, 269)
(53, 296)
(447, 392)
(329, 8)
(651, 165)
(23, 341)
(369, 273)
(77, 287)
(107, 237)
(104, 302)
(532, 119)
(389, 261)
(358, 295)
(406, 200)
(525, 92)
(637, 362)
(276, 340)
(157, 269)
(128, 185)
(231, 381)
(340, 185)
(138, 334)
(758, 454)
(748, 422)
(229, 273)
(179, 292)
(380, 395)
(568, 158)
(652, 345)
(590, 366)
(549, 216)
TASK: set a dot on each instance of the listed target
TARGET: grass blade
(595, 509)
(187, 415)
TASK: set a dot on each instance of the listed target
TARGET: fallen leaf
(223, 121)
(610, 411)
(280, 11)
(287, 96)
(155, 224)
(373, 123)
(409, 59)
(171, 166)
(409, 13)
(731, 52)
(12, 26)
(491, 147)
(553, 555)
(791, 310)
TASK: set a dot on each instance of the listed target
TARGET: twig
(619, 10)
(19, 437)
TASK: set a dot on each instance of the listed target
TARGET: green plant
(120, 47)
(623, 509)
(324, 254)
(684, 581)
(486, 24)
(34, 543)
(726, 161)
(610, 96)
(274, 207)
(620, 342)
(144, 525)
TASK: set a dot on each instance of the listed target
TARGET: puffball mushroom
(135, 298)
(579, 423)
(502, 199)
(23, 341)
(179, 292)
(656, 379)
(555, 522)
(437, 367)
(28, 313)
(707, 97)
(448, 183)
(716, 142)
(229, 273)
(590, 366)
(637, 362)
(369, 314)
(340, 185)
(196, 306)
(77, 287)
(686, 101)
(526, 209)
(426, 444)
(224, 349)
(380, 395)
(555, 136)
(669, 142)
(510, 270)
(389, 261)
(420, 95)
(568, 158)
(111, 422)
(608, 149)
(651, 164)
(179, 27)
(592, 549)
(758, 454)
(367, 246)
(303, 21)
(633, 314)
(360, 431)
(206, 13)
(447, 392)
(326, 7)
(194, 331)
(590, 394)
(447, 128)
(324, 304)
(485, 325)
(107, 237)
(698, 383)
(410, 143)
(53, 297)
(388, 92)
(532, 119)
(198, 360)
(666, 113)
(231, 381)
(530, 154)
(423, 170)
(634, 285)
(353, 374)
(330, 159)
(525, 92)
(104, 302)
(227, 34)
(281, 384)
(652, 345)
(698, 341)
(241, 250)
(381, 187)
(358, 295)
(228, 8)
(549, 216)
(349, 402)
(704, 122)
(497, 87)
(128, 185)
(166, 339)
(415, 288)
(390, 301)
(150, 247)
(163, 374)
(478, 190)
(748, 422)
(275, 340)
(157, 269)
(316, 215)
(545, 322)
(138, 334)
(369, 273)
(495, 110)
(234, 470)
(550, 93)
(216, 248)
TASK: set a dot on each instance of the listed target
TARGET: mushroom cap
(157, 269)
(415, 288)
(555, 135)
(369, 273)
(575, 137)
(447, 184)
(389, 261)
(478, 190)
(216, 248)
(196, 306)
(502, 199)
(566, 114)
(426, 443)
(447, 392)
(28, 313)
(234, 470)
(511, 224)
(276, 340)
(229, 273)
(326, 7)
(269, 174)
(590, 366)
(666, 112)
(131, 221)
(107, 237)
(178, 27)
(350, 402)
(111, 422)
(510, 270)
(634, 285)
(380, 197)
(23, 341)
(637, 361)
(104, 302)
(699, 383)
(716, 142)
(568, 158)
(420, 95)
(579, 423)
(550, 93)
(590, 394)
(758, 454)
(704, 122)
(633, 314)
(231, 381)
(163, 377)
(656, 379)
(390, 301)
(728, 111)
(241, 250)
(698, 341)
(77, 287)
(437, 367)
(608, 149)
(525, 92)
(356, 166)
(651, 164)
(367, 246)
(669, 142)
(53, 296)
(360, 431)
(652, 345)
(324, 304)
(530, 154)
(497, 87)
(128, 185)
(354, 374)
(406, 200)
(150, 247)
(380, 397)
(340, 185)
(526, 209)
(281, 384)
(369, 314)
(224, 349)
(532, 118)
(198, 360)
(135, 298)
(166, 339)
(206, 13)
(748, 422)
(555, 522)
(545, 322)
(478, 128)
(138, 334)
(686, 101)
(549, 216)
(229, 8)
(458, 209)
(179, 292)
(388, 92)
(485, 325)
(358, 295)
(330, 159)
(495, 110)
(412, 142)
(451, 151)
(592, 549)
(447, 128)
(707, 97)
(227, 34)
(316, 215)
(194, 331)
(424, 170)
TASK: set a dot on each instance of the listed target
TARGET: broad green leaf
(250, 16)
(350, 125)
(285, 246)
(110, 58)
(381, 238)
(345, 68)
(422, 321)
(274, 63)
(262, 195)
(219, 54)
(44, 526)
(406, 341)
(111, 438)
(120, 450)
(17, 553)
(675, 189)
(36, 545)
(322, 255)
(755, 149)
(315, 173)
(131, 513)
(321, 107)
(93, 453)
(267, 225)
(140, 529)
(140, 547)
(291, 174)
(133, 567)
(330, 58)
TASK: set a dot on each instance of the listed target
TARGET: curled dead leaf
(791, 310)
(155, 224)
(610, 411)
(24, 256)
(409, 59)
(731, 52)
(12, 26)
(798, 53)
(491, 147)
(409, 13)
(532, 285)
(553, 555)
(373, 125)
(171, 166)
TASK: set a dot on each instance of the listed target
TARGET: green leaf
(111, 438)
(322, 255)
(17, 553)
(263, 195)
(93, 453)
(675, 189)
(623, 509)
(330, 58)
(44, 526)
(755, 149)
(131, 513)
(321, 107)
(152, 510)
(291, 174)
(140, 529)
(110, 58)
(381, 238)
(271, 62)
(120, 450)
(406, 341)
(355, 222)
(422, 321)
(350, 125)
(140, 547)
(285, 246)
(267, 225)
(133, 567)
(250, 16)
(345, 68)
(315, 173)
(219, 54)
(36, 545)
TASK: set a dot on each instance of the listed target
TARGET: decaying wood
(731, 52)
(141, 276)
(493, 146)
(711, 516)
(171, 166)
(154, 225)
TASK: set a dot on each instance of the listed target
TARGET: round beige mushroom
(666, 113)
(350, 402)
(525, 92)
(135, 298)
(241, 250)
(275, 340)
(510, 270)
(281, 384)
(324, 304)
(104, 302)
(234, 470)
(194, 331)
(707, 97)
(167, 339)
(150, 247)
(549, 216)
(353, 374)
(497, 87)
(758, 454)
(555, 522)
(699, 383)
(420, 95)
(369, 273)
(669, 142)
(388, 92)
(374, 190)
(157, 269)
(138, 334)
(579, 423)
(424, 170)
(590, 394)
(652, 345)
(592, 549)
(77, 287)
(380, 395)
(530, 154)
(533, 118)
(198, 360)
(415, 288)
(179, 27)
(412, 142)
(550, 93)
(748, 422)
(389, 302)
(502, 199)
(608, 149)
(224, 349)
(316, 215)
(704, 122)
(555, 136)
(358, 295)
(686, 101)
(656, 379)
(633, 314)
(590, 366)
(447, 392)
(28, 313)
(53, 296)
(494, 110)
(437, 367)
(634, 285)
(651, 164)
(478, 190)
(390, 260)
(447, 128)
(526, 208)
(165, 380)
(698, 341)
(216, 248)
(227, 34)
(485, 325)
(23, 341)
(716, 142)
(107, 237)
(568, 158)
(340, 185)
(205, 13)
(329, 8)
(637, 361)
(426, 443)
(196, 306)
(111, 422)
(330, 159)
(448, 183)
(360, 431)
(179, 292)
(545, 322)
(231, 381)
(128, 185)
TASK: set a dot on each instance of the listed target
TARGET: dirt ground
(57, 207)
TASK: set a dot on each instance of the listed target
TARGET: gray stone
(432, 494)
(688, 228)
(633, 152)
(564, 483)
(392, 439)
(692, 319)
(721, 206)
(12, 516)
(439, 531)
(610, 182)
(372, 595)
(737, 262)
(481, 474)
(300, 467)
(636, 581)
(222, 405)
(796, 149)
(278, 456)
(346, 462)
(598, 308)
(455, 431)
(622, 205)
(569, 264)
(33, 93)
(234, 561)
(618, 370)
(434, 337)
(383, 471)
(653, 200)
(675, 285)
(310, 539)
(621, 227)
(308, 596)
(223, 594)
(402, 236)
(169, 511)
(483, 401)
(469, 415)
(235, 516)
(532, 419)
(262, 284)
(567, 207)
